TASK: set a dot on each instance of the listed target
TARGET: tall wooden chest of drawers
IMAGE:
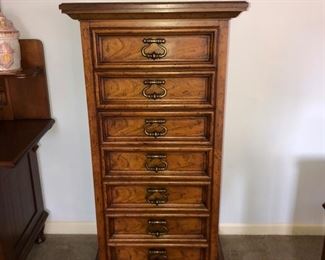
(155, 79)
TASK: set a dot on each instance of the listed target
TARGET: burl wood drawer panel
(154, 162)
(154, 47)
(183, 127)
(156, 195)
(155, 89)
(157, 227)
(157, 253)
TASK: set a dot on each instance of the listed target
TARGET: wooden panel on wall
(25, 93)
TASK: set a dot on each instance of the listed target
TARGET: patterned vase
(9, 47)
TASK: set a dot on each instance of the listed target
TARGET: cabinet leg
(41, 237)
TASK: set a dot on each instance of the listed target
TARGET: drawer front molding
(157, 127)
(161, 48)
(144, 162)
(157, 195)
(158, 252)
(157, 227)
(155, 89)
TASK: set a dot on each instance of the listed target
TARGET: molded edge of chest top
(178, 10)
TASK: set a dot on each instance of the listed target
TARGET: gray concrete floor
(272, 247)
(235, 248)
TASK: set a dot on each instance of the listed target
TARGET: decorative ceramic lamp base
(9, 47)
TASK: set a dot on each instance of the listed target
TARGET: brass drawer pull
(154, 95)
(157, 228)
(154, 55)
(155, 127)
(157, 254)
(157, 196)
(156, 162)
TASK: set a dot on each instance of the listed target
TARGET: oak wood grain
(180, 10)
(185, 45)
(95, 150)
(118, 48)
(141, 253)
(183, 89)
(178, 163)
(135, 195)
(175, 227)
(186, 127)
(214, 249)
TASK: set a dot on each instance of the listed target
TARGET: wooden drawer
(156, 227)
(172, 89)
(180, 127)
(196, 47)
(157, 253)
(153, 162)
(156, 195)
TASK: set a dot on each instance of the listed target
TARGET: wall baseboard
(275, 229)
(225, 229)
(73, 228)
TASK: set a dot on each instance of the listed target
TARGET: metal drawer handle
(154, 95)
(154, 55)
(156, 162)
(157, 254)
(155, 127)
(157, 228)
(157, 196)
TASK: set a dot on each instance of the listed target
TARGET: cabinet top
(17, 137)
(179, 10)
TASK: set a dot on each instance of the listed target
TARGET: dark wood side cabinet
(155, 79)
(24, 119)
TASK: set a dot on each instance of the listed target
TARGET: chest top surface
(179, 10)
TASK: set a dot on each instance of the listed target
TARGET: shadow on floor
(310, 192)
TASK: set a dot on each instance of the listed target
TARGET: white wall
(274, 152)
